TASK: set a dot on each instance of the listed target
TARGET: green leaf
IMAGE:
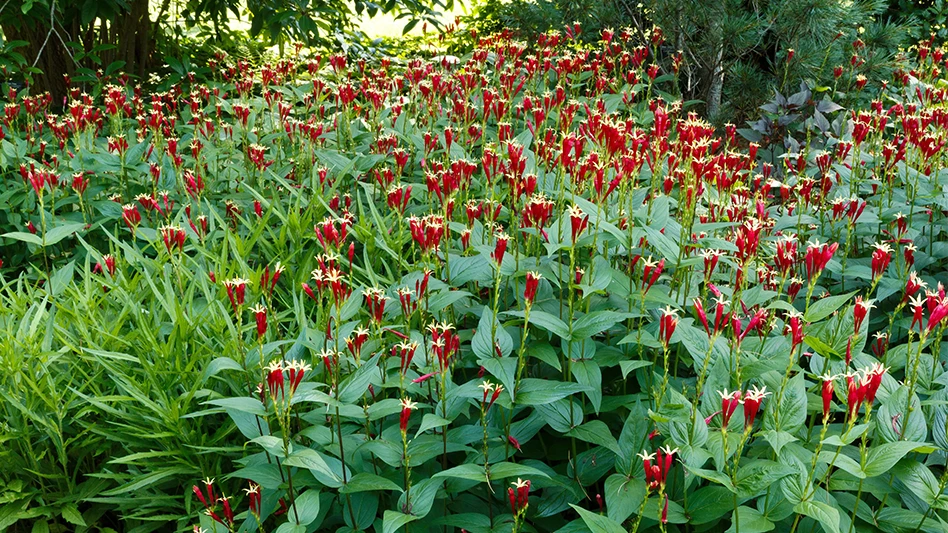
(589, 375)
(470, 472)
(713, 475)
(504, 369)
(629, 366)
(546, 321)
(505, 470)
(541, 391)
(777, 439)
(705, 506)
(756, 477)
(824, 307)
(59, 233)
(750, 520)
(367, 481)
(594, 323)
(825, 514)
(624, 496)
(24, 237)
(72, 515)
(430, 421)
(314, 462)
(306, 507)
(598, 523)
(883, 457)
(474, 472)
(920, 481)
(481, 344)
(596, 432)
(392, 521)
(242, 404)
(789, 412)
(356, 385)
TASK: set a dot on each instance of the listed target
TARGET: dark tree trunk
(130, 32)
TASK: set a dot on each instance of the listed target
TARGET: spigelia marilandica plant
(529, 290)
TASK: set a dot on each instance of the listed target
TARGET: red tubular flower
(405, 351)
(711, 258)
(666, 325)
(860, 311)
(937, 314)
(260, 315)
(424, 378)
(751, 401)
(912, 285)
(856, 394)
(827, 393)
(530, 289)
(200, 495)
(253, 499)
(519, 496)
(228, 512)
(578, 221)
(721, 317)
(918, 308)
(109, 263)
(817, 257)
(656, 474)
(795, 329)
(651, 273)
(236, 290)
(375, 303)
(881, 257)
(297, 370)
(702, 316)
(407, 407)
(729, 403)
(131, 216)
(872, 380)
(513, 442)
(275, 381)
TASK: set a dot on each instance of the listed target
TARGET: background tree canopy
(48, 39)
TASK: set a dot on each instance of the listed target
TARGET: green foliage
(495, 294)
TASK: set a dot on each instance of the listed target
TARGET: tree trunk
(54, 60)
(130, 32)
(716, 85)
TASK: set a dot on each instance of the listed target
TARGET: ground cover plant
(525, 290)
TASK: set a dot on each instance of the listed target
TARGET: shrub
(538, 294)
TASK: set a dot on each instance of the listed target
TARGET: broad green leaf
(540, 391)
(481, 342)
(750, 521)
(59, 233)
(242, 404)
(596, 432)
(588, 374)
(598, 523)
(392, 521)
(595, 323)
(314, 462)
(367, 481)
(825, 514)
(430, 421)
(306, 507)
(623, 496)
(704, 505)
(504, 369)
(546, 321)
(882, 457)
(824, 307)
(356, 385)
